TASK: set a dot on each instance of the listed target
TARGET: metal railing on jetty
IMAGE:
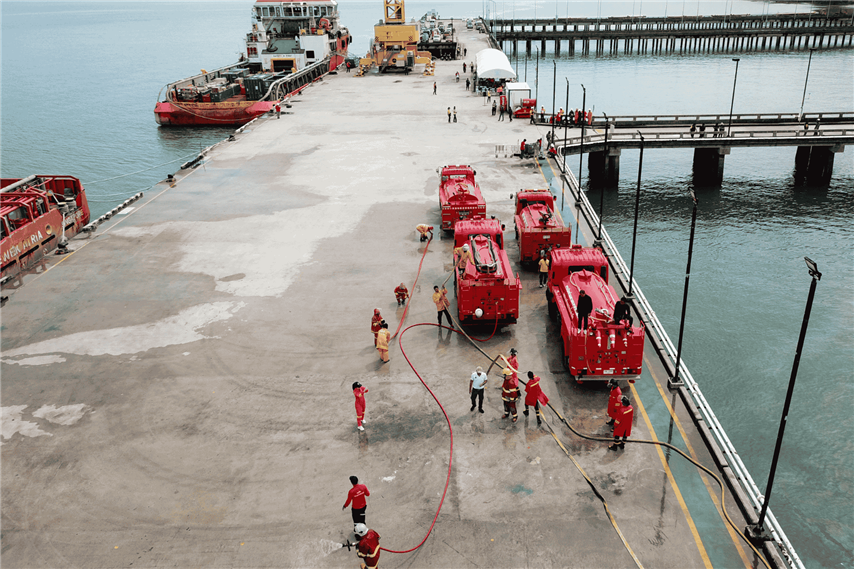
(748, 495)
(678, 34)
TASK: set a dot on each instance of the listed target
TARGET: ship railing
(733, 460)
(289, 83)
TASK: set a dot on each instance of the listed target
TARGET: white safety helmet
(360, 529)
(465, 247)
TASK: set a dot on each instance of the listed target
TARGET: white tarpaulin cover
(493, 64)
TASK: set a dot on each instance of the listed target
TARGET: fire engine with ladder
(606, 349)
(459, 196)
(485, 286)
(539, 226)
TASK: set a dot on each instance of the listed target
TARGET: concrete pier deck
(177, 392)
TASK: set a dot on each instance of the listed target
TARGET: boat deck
(177, 391)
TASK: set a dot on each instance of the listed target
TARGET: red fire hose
(405, 310)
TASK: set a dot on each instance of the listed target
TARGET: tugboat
(37, 215)
(292, 43)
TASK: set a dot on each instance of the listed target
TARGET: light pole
(676, 382)
(554, 94)
(801, 114)
(756, 532)
(635, 230)
(598, 240)
(537, 92)
(581, 150)
(733, 95)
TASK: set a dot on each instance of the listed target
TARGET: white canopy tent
(493, 64)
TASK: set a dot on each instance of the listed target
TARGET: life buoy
(324, 23)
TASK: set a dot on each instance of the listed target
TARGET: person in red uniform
(356, 496)
(368, 547)
(513, 364)
(509, 394)
(400, 293)
(359, 392)
(376, 324)
(614, 401)
(623, 424)
(534, 396)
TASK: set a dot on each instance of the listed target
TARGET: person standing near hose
(376, 324)
(509, 394)
(442, 304)
(585, 307)
(513, 363)
(382, 341)
(477, 387)
(623, 424)
(368, 547)
(534, 396)
(614, 401)
(463, 257)
(357, 495)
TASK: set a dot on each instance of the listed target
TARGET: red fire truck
(486, 288)
(539, 226)
(459, 196)
(36, 214)
(606, 349)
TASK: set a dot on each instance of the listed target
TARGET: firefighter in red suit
(359, 393)
(623, 424)
(376, 324)
(509, 394)
(614, 400)
(368, 547)
(400, 293)
(513, 364)
(534, 396)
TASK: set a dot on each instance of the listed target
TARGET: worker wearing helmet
(509, 394)
(424, 229)
(376, 324)
(368, 547)
(382, 341)
(400, 293)
(623, 424)
(614, 400)
(513, 364)
(462, 256)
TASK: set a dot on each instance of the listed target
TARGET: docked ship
(292, 43)
(37, 215)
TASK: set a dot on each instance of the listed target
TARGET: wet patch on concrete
(235, 277)
(521, 489)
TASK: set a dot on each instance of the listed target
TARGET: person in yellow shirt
(463, 257)
(544, 269)
(424, 229)
(382, 341)
(442, 303)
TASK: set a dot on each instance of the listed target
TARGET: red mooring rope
(451, 430)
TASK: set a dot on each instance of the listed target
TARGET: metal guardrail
(741, 117)
(645, 310)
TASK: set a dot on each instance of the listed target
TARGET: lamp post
(565, 129)
(635, 230)
(581, 150)
(537, 92)
(554, 94)
(801, 114)
(676, 382)
(736, 59)
(756, 532)
(598, 241)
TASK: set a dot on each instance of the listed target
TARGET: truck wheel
(517, 234)
(565, 359)
(552, 311)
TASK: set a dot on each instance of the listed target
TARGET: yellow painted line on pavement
(715, 498)
(699, 541)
